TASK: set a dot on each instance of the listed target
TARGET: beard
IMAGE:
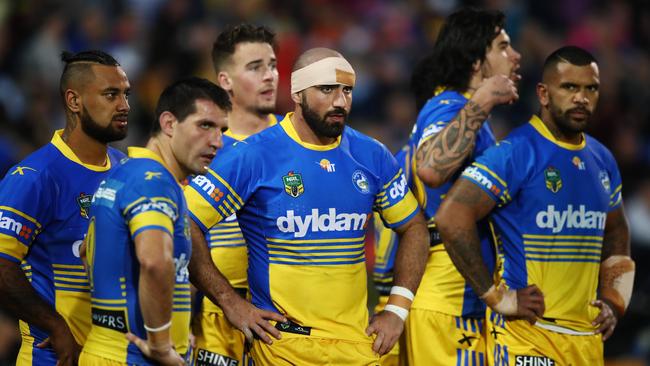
(568, 125)
(102, 134)
(319, 124)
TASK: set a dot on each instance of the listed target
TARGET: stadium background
(158, 41)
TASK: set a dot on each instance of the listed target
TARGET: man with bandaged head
(304, 191)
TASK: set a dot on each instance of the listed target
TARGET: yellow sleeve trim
(400, 210)
(493, 174)
(225, 184)
(21, 214)
(151, 218)
(201, 208)
(618, 189)
(12, 247)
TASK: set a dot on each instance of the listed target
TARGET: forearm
(18, 297)
(203, 273)
(412, 254)
(155, 292)
(464, 248)
(438, 158)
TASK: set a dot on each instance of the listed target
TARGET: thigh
(88, 359)
(218, 343)
(433, 338)
(309, 351)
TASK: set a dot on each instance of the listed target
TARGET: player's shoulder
(448, 101)
(36, 166)
(598, 149)
(116, 156)
(361, 141)
(138, 170)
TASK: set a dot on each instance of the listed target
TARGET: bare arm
(441, 156)
(410, 260)
(239, 312)
(19, 298)
(456, 220)
(155, 252)
(616, 273)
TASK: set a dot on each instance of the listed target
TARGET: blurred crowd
(158, 41)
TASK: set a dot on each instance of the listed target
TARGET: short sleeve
(24, 210)
(395, 203)
(431, 121)
(221, 192)
(615, 184)
(499, 171)
(150, 203)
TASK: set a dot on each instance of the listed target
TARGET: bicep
(616, 240)
(465, 200)
(153, 245)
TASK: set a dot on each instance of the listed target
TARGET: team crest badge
(293, 184)
(553, 179)
(604, 180)
(361, 182)
(84, 201)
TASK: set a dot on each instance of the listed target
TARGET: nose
(123, 105)
(515, 56)
(216, 140)
(340, 99)
(580, 97)
(270, 73)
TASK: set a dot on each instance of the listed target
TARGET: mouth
(207, 158)
(269, 93)
(336, 117)
(121, 121)
(579, 114)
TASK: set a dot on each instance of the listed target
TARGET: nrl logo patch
(553, 179)
(293, 184)
(604, 180)
(84, 201)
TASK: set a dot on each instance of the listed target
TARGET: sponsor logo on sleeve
(432, 130)
(533, 361)
(20, 170)
(208, 187)
(10, 224)
(398, 188)
(477, 176)
(152, 175)
(161, 206)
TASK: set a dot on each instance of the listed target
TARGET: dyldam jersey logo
(7, 223)
(580, 218)
(317, 222)
(398, 188)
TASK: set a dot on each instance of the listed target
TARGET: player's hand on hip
(530, 303)
(251, 320)
(66, 348)
(498, 89)
(163, 354)
(388, 327)
(606, 320)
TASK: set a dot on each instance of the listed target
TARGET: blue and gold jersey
(553, 199)
(140, 195)
(44, 202)
(227, 244)
(442, 288)
(304, 210)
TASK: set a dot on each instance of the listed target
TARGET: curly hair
(463, 40)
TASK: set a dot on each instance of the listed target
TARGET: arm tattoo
(616, 240)
(445, 152)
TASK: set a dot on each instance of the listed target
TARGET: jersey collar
(442, 89)
(58, 142)
(538, 125)
(287, 126)
(240, 137)
(144, 153)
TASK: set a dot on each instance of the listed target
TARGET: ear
(476, 66)
(167, 121)
(296, 97)
(72, 101)
(224, 81)
(542, 94)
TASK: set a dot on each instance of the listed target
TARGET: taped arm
(617, 268)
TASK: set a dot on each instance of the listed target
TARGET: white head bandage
(328, 71)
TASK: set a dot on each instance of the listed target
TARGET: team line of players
(532, 226)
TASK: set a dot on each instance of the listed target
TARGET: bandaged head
(327, 71)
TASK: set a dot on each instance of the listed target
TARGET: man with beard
(44, 203)
(554, 195)
(246, 67)
(139, 239)
(304, 191)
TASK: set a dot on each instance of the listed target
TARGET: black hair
(224, 47)
(463, 40)
(571, 54)
(78, 66)
(179, 98)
